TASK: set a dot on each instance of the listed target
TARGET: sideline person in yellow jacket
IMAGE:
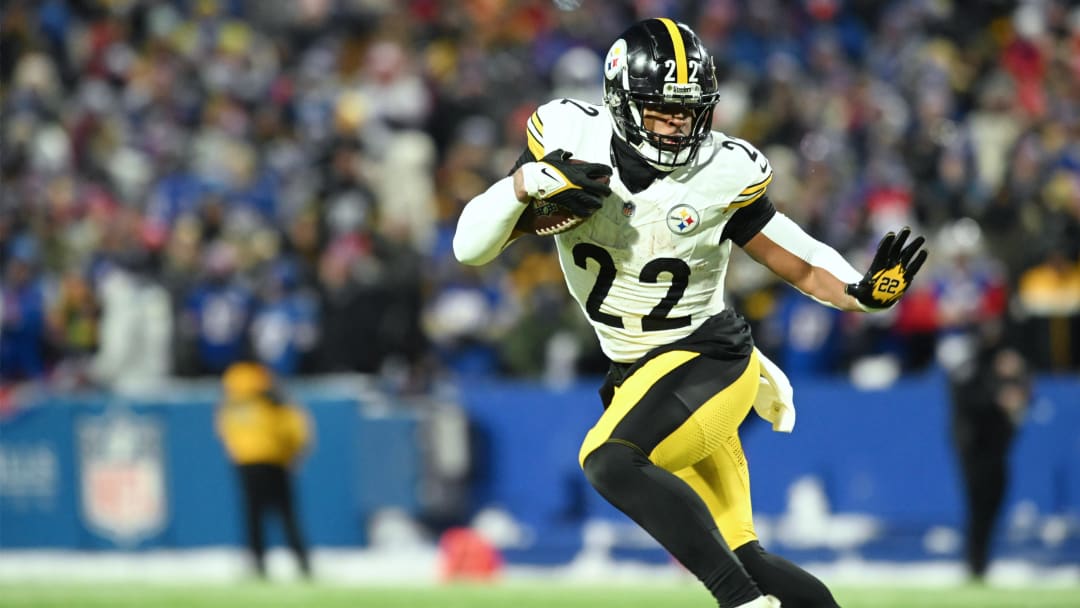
(263, 435)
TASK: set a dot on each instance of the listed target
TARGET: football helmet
(660, 63)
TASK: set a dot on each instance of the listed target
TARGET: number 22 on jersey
(657, 319)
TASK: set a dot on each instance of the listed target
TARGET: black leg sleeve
(254, 505)
(669, 510)
(793, 586)
(293, 534)
(985, 474)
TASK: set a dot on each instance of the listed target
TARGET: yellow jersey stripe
(535, 146)
(737, 204)
(681, 72)
(757, 187)
(531, 130)
(537, 123)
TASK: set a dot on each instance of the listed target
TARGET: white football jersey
(648, 268)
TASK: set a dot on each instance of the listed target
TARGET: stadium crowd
(186, 183)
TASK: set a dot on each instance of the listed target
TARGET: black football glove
(579, 186)
(890, 273)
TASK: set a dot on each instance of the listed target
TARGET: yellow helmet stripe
(681, 73)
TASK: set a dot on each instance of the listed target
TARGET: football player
(648, 269)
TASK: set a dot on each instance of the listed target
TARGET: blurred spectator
(135, 354)
(991, 389)
(807, 337)
(546, 340)
(265, 436)
(284, 326)
(347, 328)
(1049, 295)
(23, 335)
(965, 287)
(277, 130)
(216, 314)
(74, 322)
(405, 190)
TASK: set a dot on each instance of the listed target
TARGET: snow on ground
(419, 566)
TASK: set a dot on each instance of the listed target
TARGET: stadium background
(186, 183)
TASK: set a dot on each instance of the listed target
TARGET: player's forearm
(809, 265)
(486, 223)
(823, 286)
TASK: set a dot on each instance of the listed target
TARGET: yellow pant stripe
(627, 396)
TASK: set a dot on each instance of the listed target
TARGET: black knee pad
(613, 467)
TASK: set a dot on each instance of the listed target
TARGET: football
(546, 218)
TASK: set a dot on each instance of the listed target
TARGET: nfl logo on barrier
(122, 475)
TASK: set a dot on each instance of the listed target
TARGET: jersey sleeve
(567, 124)
(748, 174)
(752, 193)
(751, 171)
(534, 140)
(749, 220)
(534, 133)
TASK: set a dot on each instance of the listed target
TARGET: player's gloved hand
(577, 185)
(890, 273)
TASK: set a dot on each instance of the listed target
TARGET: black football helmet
(660, 62)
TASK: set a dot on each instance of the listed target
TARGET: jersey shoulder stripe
(577, 126)
(534, 133)
(740, 172)
(752, 193)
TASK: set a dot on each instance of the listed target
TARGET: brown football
(546, 218)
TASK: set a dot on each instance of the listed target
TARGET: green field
(532, 595)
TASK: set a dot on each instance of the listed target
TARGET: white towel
(775, 400)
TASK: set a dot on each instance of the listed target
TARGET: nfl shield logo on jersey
(682, 219)
(122, 475)
(628, 209)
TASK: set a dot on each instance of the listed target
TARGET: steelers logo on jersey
(683, 219)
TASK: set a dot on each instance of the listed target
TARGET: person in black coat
(991, 390)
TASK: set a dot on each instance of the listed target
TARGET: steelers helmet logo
(683, 219)
(616, 59)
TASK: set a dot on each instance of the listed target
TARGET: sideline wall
(95, 473)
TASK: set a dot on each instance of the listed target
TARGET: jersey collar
(634, 172)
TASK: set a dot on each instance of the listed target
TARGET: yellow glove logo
(889, 284)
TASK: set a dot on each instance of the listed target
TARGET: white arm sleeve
(787, 234)
(486, 223)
